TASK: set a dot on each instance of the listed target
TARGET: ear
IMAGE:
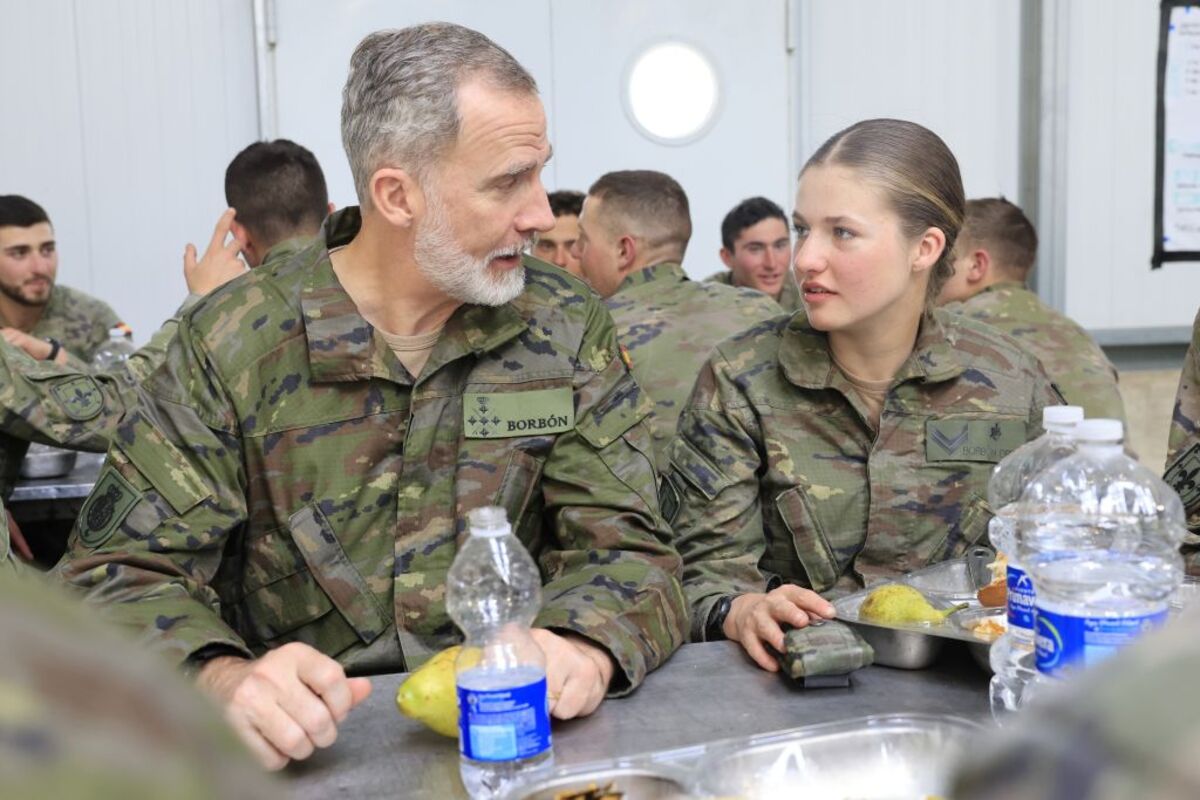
(332, 208)
(928, 249)
(249, 250)
(726, 258)
(981, 266)
(396, 196)
(627, 253)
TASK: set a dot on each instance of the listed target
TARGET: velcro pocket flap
(621, 409)
(812, 548)
(339, 579)
(166, 469)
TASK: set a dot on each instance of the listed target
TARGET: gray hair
(400, 102)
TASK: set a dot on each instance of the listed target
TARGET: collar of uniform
(666, 271)
(342, 345)
(806, 361)
(286, 249)
(1002, 286)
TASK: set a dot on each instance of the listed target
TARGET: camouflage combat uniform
(77, 320)
(789, 296)
(1126, 729)
(288, 480)
(775, 475)
(669, 325)
(1074, 362)
(85, 714)
(57, 404)
(1183, 448)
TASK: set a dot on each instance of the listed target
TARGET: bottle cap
(488, 521)
(1061, 419)
(1100, 431)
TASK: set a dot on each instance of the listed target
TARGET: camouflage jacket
(54, 404)
(669, 325)
(1183, 446)
(1126, 729)
(288, 480)
(1074, 362)
(776, 476)
(87, 713)
(77, 320)
(789, 297)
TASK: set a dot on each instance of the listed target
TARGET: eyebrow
(833, 220)
(523, 167)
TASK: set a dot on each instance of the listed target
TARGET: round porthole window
(672, 92)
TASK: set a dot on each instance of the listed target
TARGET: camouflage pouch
(824, 648)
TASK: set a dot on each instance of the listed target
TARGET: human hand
(219, 264)
(754, 619)
(286, 703)
(577, 673)
(36, 348)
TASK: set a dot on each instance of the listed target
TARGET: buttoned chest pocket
(297, 584)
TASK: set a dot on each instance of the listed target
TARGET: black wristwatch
(714, 629)
(55, 346)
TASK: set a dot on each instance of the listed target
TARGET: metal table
(705, 692)
(75, 484)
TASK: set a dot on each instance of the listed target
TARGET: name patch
(972, 439)
(1184, 477)
(505, 414)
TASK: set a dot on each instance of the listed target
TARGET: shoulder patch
(79, 397)
(106, 508)
(972, 439)
(1183, 475)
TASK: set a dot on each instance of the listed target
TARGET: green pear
(897, 604)
(430, 694)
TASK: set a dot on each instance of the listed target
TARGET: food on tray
(593, 792)
(990, 628)
(897, 604)
(995, 594)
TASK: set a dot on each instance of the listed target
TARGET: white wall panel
(1109, 102)
(144, 103)
(948, 65)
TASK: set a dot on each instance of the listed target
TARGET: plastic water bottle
(493, 592)
(117, 350)
(1012, 655)
(1101, 542)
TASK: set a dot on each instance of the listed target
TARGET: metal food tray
(43, 461)
(881, 757)
(918, 645)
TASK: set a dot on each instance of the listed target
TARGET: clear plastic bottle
(493, 592)
(1101, 540)
(117, 350)
(1012, 655)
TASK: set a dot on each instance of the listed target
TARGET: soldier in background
(855, 439)
(557, 245)
(284, 506)
(993, 258)
(633, 233)
(84, 714)
(31, 303)
(757, 250)
(1126, 729)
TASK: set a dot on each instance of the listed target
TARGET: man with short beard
(284, 508)
(30, 302)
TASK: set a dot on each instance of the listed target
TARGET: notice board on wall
(1177, 172)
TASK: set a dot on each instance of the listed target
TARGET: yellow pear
(897, 604)
(430, 695)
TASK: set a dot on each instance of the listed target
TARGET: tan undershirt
(872, 393)
(413, 351)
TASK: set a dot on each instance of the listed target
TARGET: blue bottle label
(504, 724)
(1020, 598)
(1065, 641)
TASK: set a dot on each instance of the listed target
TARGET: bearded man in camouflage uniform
(285, 507)
(633, 232)
(992, 260)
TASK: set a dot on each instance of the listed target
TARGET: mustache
(512, 250)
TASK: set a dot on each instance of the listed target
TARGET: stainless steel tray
(905, 757)
(43, 461)
(968, 618)
(633, 783)
(957, 580)
(881, 757)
